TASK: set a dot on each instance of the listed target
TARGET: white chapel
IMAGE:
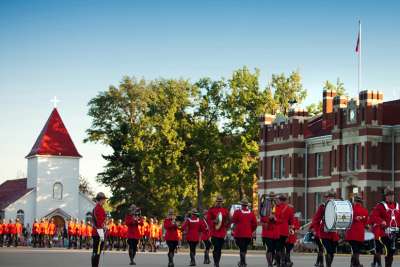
(51, 189)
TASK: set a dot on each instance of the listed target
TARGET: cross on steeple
(55, 101)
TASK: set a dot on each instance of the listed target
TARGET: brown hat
(244, 202)
(100, 196)
(330, 193)
(282, 197)
(171, 211)
(133, 207)
(194, 211)
(358, 198)
(272, 194)
(388, 191)
(219, 198)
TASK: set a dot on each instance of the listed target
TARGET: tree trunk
(199, 187)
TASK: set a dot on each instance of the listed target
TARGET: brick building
(353, 146)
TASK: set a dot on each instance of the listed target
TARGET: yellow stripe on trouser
(98, 247)
(325, 251)
(384, 246)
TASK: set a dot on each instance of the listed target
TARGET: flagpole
(359, 57)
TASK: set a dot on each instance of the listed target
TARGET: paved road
(10, 257)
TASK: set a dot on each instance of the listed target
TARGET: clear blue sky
(74, 49)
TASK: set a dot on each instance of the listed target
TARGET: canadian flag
(358, 46)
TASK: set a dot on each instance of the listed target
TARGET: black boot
(270, 259)
(216, 259)
(388, 261)
(192, 259)
(378, 260)
(170, 260)
(328, 260)
(95, 260)
(206, 257)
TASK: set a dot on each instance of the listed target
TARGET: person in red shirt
(52, 232)
(171, 235)
(12, 231)
(78, 233)
(292, 238)
(386, 215)
(193, 227)
(218, 218)
(89, 230)
(133, 221)
(2, 225)
(270, 230)
(355, 234)
(99, 218)
(329, 240)
(119, 233)
(71, 233)
(245, 224)
(284, 218)
(205, 237)
(82, 234)
(35, 233)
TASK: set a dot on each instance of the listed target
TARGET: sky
(76, 49)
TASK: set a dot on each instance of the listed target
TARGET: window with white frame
(318, 199)
(21, 216)
(348, 157)
(282, 167)
(319, 164)
(355, 157)
(57, 191)
(273, 167)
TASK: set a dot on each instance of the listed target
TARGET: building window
(282, 167)
(319, 164)
(363, 155)
(273, 167)
(58, 191)
(355, 157)
(318, 199)
(21, 216)
(347, 157)
(2, 214)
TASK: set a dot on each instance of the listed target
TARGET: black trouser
(98, 247)
(218, 243)
(192, 249)
(88, 242)
(1, 240)
(171, 250)
(16, 239)
(243, 243)
(71, 241)
(133, 243)
(330, 250)
(9, 239)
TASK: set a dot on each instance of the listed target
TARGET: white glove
(101, 234)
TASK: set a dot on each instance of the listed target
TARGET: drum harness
(392, 230)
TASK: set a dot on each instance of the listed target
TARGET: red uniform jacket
(357, 230)
(6, 229)
(193, 227)
(284, 217)
(52, 229)
(1, 228)
(18, 228)
(318, 223)
(78, 230)
(245, 223)
(71, 229)
(380, 214)
(89, 230)
(270, 228)
(12, 229)
(171, 230)
(36, 229)
(133, 224)
(99, 217)
(212, 216)
(83, 230)
(205, 233)
(124, 231)
(292, 238)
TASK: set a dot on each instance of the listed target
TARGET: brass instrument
(218, 221)
(266, 205)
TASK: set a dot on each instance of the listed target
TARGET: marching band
(377, 232)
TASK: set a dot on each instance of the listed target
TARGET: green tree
(338, 87)
(314, 109)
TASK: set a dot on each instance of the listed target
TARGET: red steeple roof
(54, 139)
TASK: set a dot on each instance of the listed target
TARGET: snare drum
(338, 215)
(308, 241)
(369, 241)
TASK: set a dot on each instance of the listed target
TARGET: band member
(89, 230)
(71, 233)
(219, 220)
(35, 233)
(205, 237)
(270, 230)
(386, 215)
(153, 235)
(193, 227)
(284, 217)
(82, 234)
(171, 235)
(119, 234)
(355, 234)
(245, 224)
(52, 232)
(329, 240)
(99, 218)
(18, 232)
(12, 231)
(124, 236)
(2, 225)
(292, 238)
(133, 221)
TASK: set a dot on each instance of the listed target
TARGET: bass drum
(338, 215)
